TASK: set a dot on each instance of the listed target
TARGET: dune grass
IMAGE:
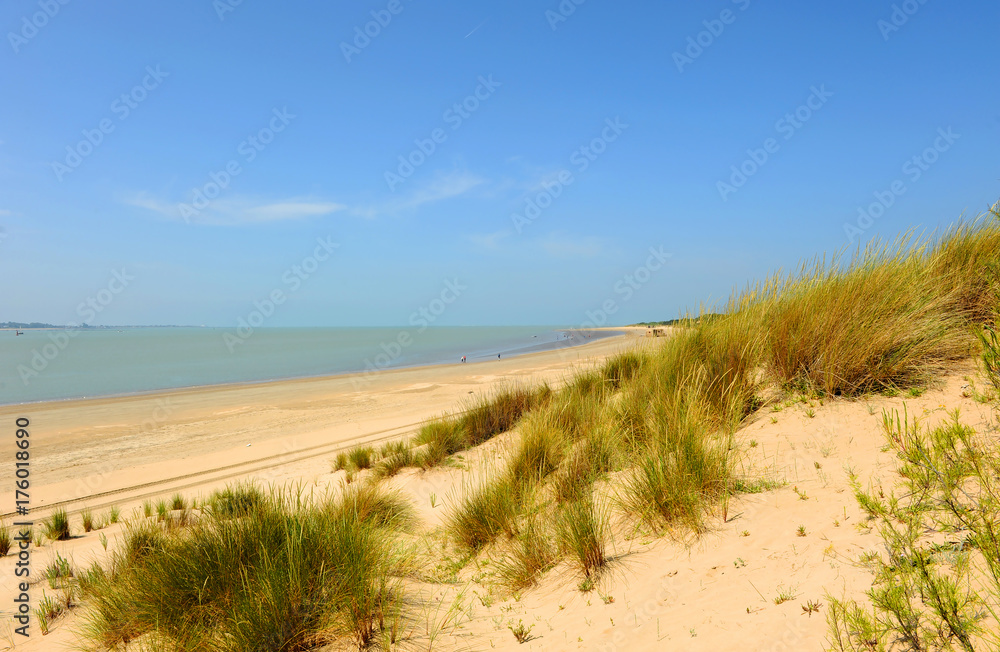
(87, 519)
(393, 458)
(288, 573)
(530, 556)
(56, 526)
(483, 418)
(888, 319)
(486, 512)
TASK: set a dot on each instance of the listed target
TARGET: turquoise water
(47, 365)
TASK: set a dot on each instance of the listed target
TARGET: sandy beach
(119, 450)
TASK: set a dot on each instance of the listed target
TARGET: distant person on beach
(463, 358)
(498, 356)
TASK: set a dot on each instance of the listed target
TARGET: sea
(58, 364)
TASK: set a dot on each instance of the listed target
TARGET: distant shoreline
(603, 333)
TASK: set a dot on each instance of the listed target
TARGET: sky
(566, 163)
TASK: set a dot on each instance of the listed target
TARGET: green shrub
(929, 595)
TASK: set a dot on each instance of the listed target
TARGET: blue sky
(628, 122)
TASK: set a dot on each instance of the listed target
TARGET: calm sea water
(51, 364)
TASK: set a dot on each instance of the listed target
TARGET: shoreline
(555, 345)
(87, 448)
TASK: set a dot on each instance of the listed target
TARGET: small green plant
(784, 595)
(114, 514)
(59, 569)
(811, 413)
(47, 611)
(4, 539)
(433, 498)
(521, 632)
(924, 595)
(607, 599)
(162, 511)
(801, 532)
(87, 517)
(745, 533)
(774, 420)
(103, 539)
(177, 502)
(811, 607)
(57, 525)
(147, 508)
(587, 585)
(740, 562)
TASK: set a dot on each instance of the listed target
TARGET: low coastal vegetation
(646, 441)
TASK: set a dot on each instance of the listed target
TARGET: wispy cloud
(237, 211)
(442, 187)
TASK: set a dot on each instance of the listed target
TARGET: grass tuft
(57, 525)
(582, 531)
(290, 573)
